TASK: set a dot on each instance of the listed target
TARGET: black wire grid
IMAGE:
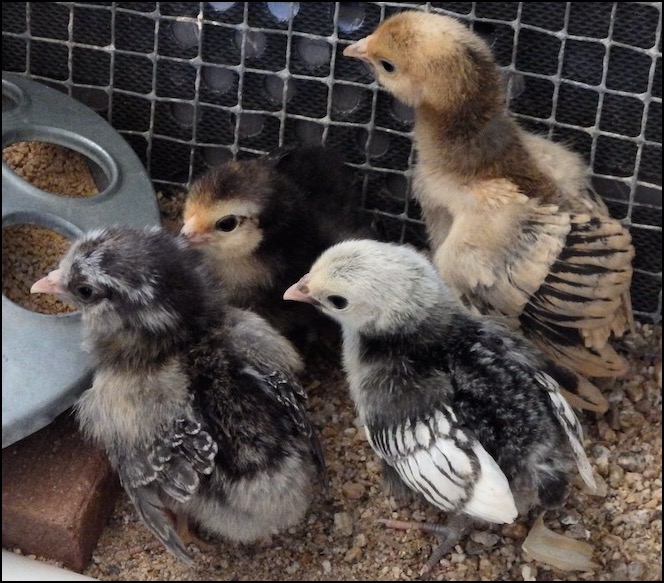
(191, 84)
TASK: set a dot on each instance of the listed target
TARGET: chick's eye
(387, 66)
(84, 292)
(227, 224)
(339, 302)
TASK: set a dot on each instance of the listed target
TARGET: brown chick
(514, 225)
(263, 221)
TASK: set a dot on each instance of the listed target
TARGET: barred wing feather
(570, 423)
(448, 467)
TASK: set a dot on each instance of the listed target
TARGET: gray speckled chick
(196, 403)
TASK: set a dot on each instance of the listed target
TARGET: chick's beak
(193, 235)
(358, 50)
(51, 284)
(299, 292)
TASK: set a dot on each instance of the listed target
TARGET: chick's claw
(449, 534)
(188, 535)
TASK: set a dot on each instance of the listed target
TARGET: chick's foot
(449, 534)
(188, 535)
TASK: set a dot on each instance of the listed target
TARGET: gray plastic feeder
(44, 368)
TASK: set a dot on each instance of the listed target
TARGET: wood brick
(57, 494)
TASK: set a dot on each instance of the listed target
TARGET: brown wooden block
(57, 494)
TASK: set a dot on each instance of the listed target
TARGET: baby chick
(263, 221)
(197, 404)
(513, 223)
(461, 411)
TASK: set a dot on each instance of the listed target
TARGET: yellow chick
(513, 223)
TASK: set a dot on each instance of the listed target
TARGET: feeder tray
(44, 368)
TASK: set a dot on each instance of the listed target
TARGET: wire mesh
(191, 84)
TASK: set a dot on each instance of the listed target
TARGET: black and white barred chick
(196, 403)
(461, 411)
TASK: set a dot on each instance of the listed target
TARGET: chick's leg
(449, 534)
(187, 535)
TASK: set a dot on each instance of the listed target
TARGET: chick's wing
(564, 276)
(172, 467)
(446, 465)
